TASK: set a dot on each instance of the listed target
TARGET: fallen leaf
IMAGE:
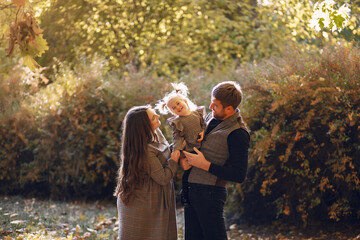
(233, 227)
(17, 222)
(20, 237)
(78, 229)
(91, 230)
(86, 235)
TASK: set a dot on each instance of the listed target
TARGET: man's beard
(219, 116)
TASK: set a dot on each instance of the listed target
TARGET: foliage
(84, 130)
(303, 110)
(177, 36)
(325, 16)
(278, 23)
(172, 36)
(25, 32)
(64, 140)
(15, 123)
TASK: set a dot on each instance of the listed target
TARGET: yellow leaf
(30, 63)
(78, 229)
(41, 45)
(20, 237)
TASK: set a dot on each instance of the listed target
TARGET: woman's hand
(197, 160)
(175, 155)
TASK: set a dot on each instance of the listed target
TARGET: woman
(145, 189)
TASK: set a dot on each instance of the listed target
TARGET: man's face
(217, 108)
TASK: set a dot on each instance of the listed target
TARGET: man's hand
(197, 160)
(184, 163)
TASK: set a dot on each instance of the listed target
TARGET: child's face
(179, 106)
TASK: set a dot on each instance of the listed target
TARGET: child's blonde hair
(180, 91)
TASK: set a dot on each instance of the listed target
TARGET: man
(223, 157)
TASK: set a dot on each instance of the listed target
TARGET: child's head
(176, 101)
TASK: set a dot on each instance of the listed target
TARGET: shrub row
(302, 108)
(304, 111)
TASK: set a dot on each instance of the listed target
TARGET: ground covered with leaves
(22, 218)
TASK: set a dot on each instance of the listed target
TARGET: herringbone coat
(151, 213)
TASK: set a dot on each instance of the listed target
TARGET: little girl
(188, 126)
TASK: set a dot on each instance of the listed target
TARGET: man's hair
(228, 93)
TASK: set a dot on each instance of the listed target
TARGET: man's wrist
(206, 165)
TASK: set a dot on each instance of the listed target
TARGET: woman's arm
(159, 173)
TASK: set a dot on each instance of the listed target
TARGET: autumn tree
(25, 33)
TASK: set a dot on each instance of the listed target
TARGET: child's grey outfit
(186, 131)
(187, 128)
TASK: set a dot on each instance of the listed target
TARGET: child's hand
(201, 137)
(175, 155)
(184, 163)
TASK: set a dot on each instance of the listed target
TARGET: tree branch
(5, 6)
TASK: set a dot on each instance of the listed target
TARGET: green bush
(63, 138)
(68, 142)
(76, 152)
(15, 123)
(303, 110)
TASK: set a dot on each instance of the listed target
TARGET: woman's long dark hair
(137, 133)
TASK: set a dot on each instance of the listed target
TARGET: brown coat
(151, 213)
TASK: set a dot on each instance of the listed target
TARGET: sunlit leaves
(171, 36)
(26, 33)
(326, 16)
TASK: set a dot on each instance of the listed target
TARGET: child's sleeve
(177, 134)
(202, 113)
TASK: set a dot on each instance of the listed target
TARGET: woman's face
(154, 118)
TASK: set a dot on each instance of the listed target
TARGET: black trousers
(204, 218)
